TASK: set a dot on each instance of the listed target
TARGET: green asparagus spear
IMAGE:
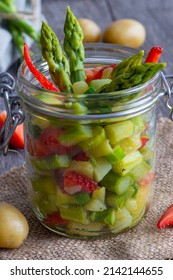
(73, 46)
(18, 38)
(21, 26)
(57, 61)
(128, 62)
(134, 76)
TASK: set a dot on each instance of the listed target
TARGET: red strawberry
(81, 156)
(73, 179)
(49, 140)
(166, 219)
(55, 219)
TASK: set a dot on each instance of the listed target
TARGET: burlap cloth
(144, 241)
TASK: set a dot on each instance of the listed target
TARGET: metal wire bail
(15, 114)
(168, 91)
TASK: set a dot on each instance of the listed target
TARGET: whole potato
(13, 226)
(126, 32)
(90, 30)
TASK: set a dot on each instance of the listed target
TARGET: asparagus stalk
(73, 46)
(57, 61)
(18, 38)
(134, 76)
(128, 62)
(21, 26)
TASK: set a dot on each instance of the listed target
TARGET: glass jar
(90, 158)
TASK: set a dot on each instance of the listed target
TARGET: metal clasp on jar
(167, 92)
(12, 104)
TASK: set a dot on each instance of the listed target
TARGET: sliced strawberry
(72, 179)
(81, 156)
(166, 219)
(55, 219)
(49, 140)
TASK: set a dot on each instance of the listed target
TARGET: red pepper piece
(154, 54)
(38, 75)
(98, 75)
(166, 219)
(144, 140)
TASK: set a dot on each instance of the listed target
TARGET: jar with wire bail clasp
(91, 158)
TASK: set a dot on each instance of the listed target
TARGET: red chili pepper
(154, 54)
(38, 75)
(99, 74)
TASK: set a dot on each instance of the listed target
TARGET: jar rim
(143, 103)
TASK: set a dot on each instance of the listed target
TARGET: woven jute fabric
(143, 242)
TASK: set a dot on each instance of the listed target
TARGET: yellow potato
(90, 30)
(125, 32)
(13, 226)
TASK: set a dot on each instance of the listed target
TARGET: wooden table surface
(155, 15)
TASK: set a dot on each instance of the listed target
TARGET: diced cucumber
(76, 134)
(107, 216)
(141, 200)
(101, 168)
(109, 181)
(99, 194)
(123, 183)
(74, 213)
(123, 220)
(79, 109)
(126, 164)
(99, 83)
(102, 150)
(51, 163)
(147, 153)
(118, 131)
(82, 198)
(44, 184)
(132, 143)
(140, 171)
(139, 124)
(118, 201)
(63, 199)
(97, 202)
(49, 99)
(116, 154)
(98, 137)
(79, 87)
(81, 167)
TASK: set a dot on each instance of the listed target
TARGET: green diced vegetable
(126, 164)
(74, 135)
(74, 213)
(52, 162)
(118, 131)
(107, 216)
(82, 198)
(101, 168)
(44, 184)
(140, 171)
(116, 155)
